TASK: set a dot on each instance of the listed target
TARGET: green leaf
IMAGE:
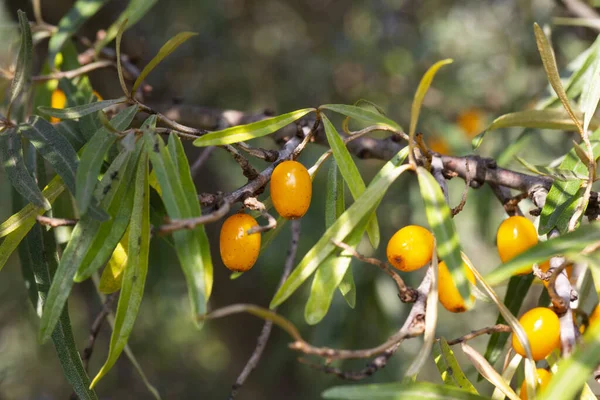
(92, 158)
(399, 391)
(12, 240)
(11, 156)
(164, 51)
(254, 130)
(554, 173)
(82, 110)
(361, 114)
(70, 130)
(557, 119)
(80, 12)
(343, 226)
(449, 367)
(134, 276)
(28, 214)
(53, 147)
(424, 85)
(575, 370)
(518, 287)
(591, 94)
(562, 198)
(22, 77)
(351, 174)
(547, 55)
(567, 244)
(118, 50)
(135, 10)
(440, 220)
(347, 288)
(178, 156)
(189, 249)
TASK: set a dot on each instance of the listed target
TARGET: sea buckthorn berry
(594, 317)
(239, 250)
(542, 328)
(57, 100)
(515, 235)
(410, 248)
(471, 122)
(543, 378)
(448, 292)
(291, 189)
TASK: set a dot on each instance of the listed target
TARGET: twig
(191, 223)
(55, 222)
(95, 329)
(202, 158)
(465, 192)
(503, 194)
(271, 224)
(74, 72)
(173, 124)
(437, 168)
(483, 331)
(247, 169)
(406, 294)
(266, 330)
(582, 10)
(263, 154)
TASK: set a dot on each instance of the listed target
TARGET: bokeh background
(252, 55)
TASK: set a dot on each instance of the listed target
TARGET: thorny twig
(483, 331)
(266, 330)
(465, 192)
(254, 204)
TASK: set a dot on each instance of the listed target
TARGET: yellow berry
(543, 378)
(594, 317)
(515, 235)
(410, 248)
(545, 266)
(291, 189)
(239, 250)
(448, 292)
(57, 100)
(542, 327)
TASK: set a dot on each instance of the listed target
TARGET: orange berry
(543, 378)
(448, 292)
(239, 250)
(542, 328)
(291, 189)
(410, 248)
(470, 121)
(57, 100)
(594, 317)
(515, 235)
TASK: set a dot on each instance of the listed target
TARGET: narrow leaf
(361, 114)
(70, 130)
(164, 51)
(555, 173)
(23, 68)
(254, 130)
(351, 174)
(112, 276)
(119, 67)
(82, 110)
(449, 367)
(136, 270)
(80, 12)
(591, 94)
(11, 156)
(441, 223)
(547, 55)
(343, 226)
(54, 148)
(399, 391)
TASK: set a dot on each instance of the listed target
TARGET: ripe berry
(515, 235)
(291, 189)
(448, 292)
(594, 317)
(410, 248)
(542, 328)
(57, 100)
(239, 250)
(543, 378)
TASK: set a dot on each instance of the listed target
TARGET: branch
(483, 331)
(266, 330)
(75, 72)
(95, 329)
(55, 222)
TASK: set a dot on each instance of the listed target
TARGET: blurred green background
(283, 55)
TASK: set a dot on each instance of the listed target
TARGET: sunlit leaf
(79, 12)
(12, 240)
(93, 157)
(135, 10)
(351, 174)
(134, 278)
(23, 68)
(82, 110)
(555, 173)
(591, 94)
(362, 114)
(441, 223)
(449, 368)
(11, 156)
(164, 51)
(343, 226)
(254, 130)
(399, 391)
(112, 276)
